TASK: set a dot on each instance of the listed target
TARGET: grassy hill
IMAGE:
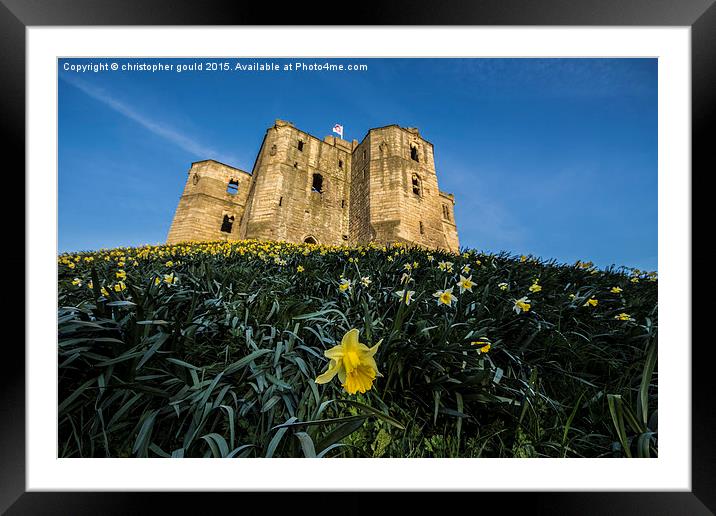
(213, 349)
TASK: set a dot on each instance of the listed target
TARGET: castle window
(310, 240)
(343, 203)
(422, 229)
(414, 153)
(364, 153)
(233, 187)
(227, 224)
(417, 186)
(446, 212)
(300, 145)
(340, 163)
(280, 201)
(295, 164)
(317, 185)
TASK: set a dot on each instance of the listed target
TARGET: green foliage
(214, 354)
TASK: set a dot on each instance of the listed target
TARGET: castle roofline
(220, 163)
(409, 130)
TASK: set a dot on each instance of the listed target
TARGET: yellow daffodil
(353, 362)
(77, 282)
(484, 345)
(104, 292)
(634, 280)
(406, 296)
(157, 281)
(536, 287)
(169, 263)
(366, 281)
(615, 290)
(430, 258)
(119, 287)
(90, 285)
(121, 275)
(503, 286)
(300, 268)
(623, 317)
(465, 269)
(523, 258)
(170, 279)
(345, 285)
(591, 302)
(445, 297)
(465, 283)
(445, 266)
(522, 305)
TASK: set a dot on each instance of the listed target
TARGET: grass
(211, 350)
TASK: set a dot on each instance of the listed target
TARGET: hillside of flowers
(265, 349)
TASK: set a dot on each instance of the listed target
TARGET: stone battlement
(331, 191)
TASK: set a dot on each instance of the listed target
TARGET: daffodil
(484, 345)
(169, 263)
(523, 258)
(634, 280)
(616, 290)
(119, 287)
(445, 297)
(121, 275)
(353, 362)
(77, 282)
(170, 279)
(591, 302)
(406, 296)
(445, 266)
(536, 287)
(503, 286)
(345, 285)
(465, 269)
(465, 283)
(366, 281)
(300, 268)
(522, 305)
(104, 292)
(623, 317)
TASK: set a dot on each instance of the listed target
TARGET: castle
(331, 191)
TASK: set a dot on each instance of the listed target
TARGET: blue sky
(551, 157)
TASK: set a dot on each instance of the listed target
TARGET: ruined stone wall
(448, 221)
(384, 189)
(404, 198)
(284, 204)
(205, 201)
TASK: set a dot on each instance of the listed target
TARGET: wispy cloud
(162, 130)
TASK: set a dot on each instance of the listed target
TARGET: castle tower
(301, 188)
(212, 204)
(395, 191)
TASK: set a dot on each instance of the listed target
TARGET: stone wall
(330, 191)
(206, 200)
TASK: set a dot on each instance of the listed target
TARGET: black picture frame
(17, 15)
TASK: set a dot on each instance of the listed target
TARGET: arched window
(233, 187)
(417, 185)
(227, 223)
(414, 153)
(317, 185)
(310, 240)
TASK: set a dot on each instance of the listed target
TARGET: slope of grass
(211, 350)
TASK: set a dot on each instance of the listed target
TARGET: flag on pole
(338, 128)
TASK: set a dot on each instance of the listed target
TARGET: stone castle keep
(331, 191)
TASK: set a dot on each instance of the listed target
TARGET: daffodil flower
(366, 281)
(591, 302)
(445, 297)
(406, 296)
(503, 286)
(353, 362)
(522, 305)
(623, 317)
(465, 283)
(300, 268)
(535, 287)
(616, 290)
(77, 282)
(345, 285)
